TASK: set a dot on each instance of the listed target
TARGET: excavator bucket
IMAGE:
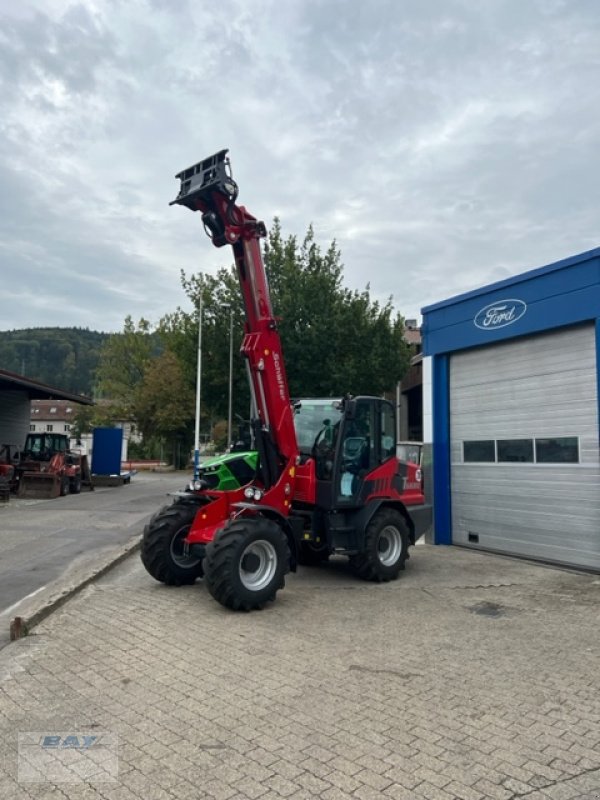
(39, 485)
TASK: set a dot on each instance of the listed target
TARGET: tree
(144, 382)
(179, 332)
(124, 358)
(334, 340)
(62, 357)
(164, 404)
(89, 417)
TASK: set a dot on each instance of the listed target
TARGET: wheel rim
(258, 565)
(177, 551)
(389, 546)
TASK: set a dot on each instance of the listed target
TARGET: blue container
(106, 453)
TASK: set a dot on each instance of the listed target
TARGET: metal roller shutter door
(538, 386)
(15, 412)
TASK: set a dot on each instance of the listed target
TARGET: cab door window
(357, 450)
(387, 433)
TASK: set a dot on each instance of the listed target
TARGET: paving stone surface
(473, 676)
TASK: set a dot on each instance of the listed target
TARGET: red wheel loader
(327, 480)
(47, 467)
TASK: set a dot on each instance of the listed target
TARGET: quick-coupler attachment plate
(204, 178)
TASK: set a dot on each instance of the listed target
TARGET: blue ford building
(512, 371)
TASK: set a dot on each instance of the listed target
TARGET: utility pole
(198, 388)
(230, 407)
(398, 396)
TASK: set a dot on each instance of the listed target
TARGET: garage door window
(515, 450)
(556, 450)
(480, 451)
(562, 450)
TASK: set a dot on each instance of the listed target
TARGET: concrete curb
(21, 625)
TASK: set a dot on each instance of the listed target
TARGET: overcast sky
(444, 144)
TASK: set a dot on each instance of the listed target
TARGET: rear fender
(366, 514)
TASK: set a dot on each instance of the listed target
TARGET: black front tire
(246, 563)
(75, 485)
(64, 486)
(386, 547)
(162, 546)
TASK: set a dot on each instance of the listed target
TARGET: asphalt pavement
(44, 542)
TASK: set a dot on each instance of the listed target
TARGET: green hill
(62, 357)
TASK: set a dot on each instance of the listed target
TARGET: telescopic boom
(208, 187)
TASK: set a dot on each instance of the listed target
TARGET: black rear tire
(162, 546)
(386, 547)
(246, 563)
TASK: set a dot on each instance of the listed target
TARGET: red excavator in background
(47, 468)
(328, 480)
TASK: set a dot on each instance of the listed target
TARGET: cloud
(442, 144)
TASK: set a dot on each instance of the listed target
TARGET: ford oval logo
(500, 314)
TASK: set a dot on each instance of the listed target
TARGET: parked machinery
(327, 480)
(47, 468)
(7, 471)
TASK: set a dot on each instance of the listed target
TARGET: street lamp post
(230, 406)
(198, 389)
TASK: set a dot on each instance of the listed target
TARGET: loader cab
(42, 446)
(366, 441)
(347, 439)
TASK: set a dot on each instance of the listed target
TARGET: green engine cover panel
(229, 471)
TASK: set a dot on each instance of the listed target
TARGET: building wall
(552, 298)
(14, 418)
(515, 407)
(557, 295)
(52, 416)
(49, 426)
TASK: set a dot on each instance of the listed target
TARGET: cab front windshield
(38, 443)
(316, 420)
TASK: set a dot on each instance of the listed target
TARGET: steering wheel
(322, 452)
(321, 446)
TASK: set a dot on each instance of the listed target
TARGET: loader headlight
(252, 493)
